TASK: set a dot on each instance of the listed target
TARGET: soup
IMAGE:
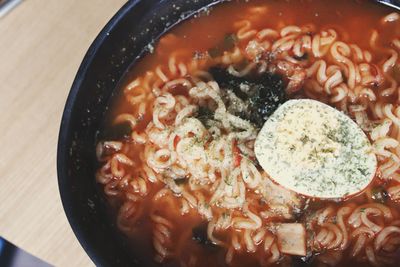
(201, 152)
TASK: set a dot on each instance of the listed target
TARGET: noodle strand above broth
(178, 152)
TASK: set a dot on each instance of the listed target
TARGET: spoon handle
(7, 5)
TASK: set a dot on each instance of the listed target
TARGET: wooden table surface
(42, 44)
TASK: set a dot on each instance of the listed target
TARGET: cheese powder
(315, 150)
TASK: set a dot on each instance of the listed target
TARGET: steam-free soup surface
(176, 151)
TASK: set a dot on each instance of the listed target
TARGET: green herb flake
(305, 139)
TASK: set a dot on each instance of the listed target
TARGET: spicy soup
(177, 159)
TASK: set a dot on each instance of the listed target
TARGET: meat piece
(278, 195)
(295, 75)
(292, 239)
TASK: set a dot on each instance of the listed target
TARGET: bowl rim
(62, 149)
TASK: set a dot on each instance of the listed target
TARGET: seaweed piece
(199, 234)
(181, 181)
(204, 114)
(264, 92)
(228, 43)
(298, 261)
(229, 81)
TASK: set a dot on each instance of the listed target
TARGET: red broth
(354, 21)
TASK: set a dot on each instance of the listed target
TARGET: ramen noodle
(176, 154)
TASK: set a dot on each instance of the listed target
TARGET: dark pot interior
(120, 44)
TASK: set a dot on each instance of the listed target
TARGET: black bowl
(119, 45)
